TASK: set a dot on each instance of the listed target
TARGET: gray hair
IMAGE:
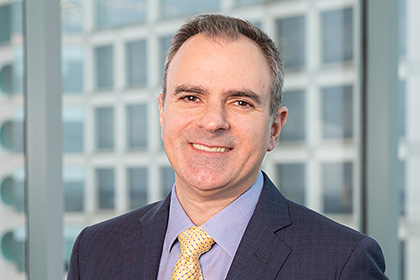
(229, 28)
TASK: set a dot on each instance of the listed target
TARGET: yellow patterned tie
(194, 242)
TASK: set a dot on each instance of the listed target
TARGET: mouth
(211, 149)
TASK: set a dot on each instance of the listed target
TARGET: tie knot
(194, 242)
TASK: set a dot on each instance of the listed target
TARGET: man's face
(215, 119)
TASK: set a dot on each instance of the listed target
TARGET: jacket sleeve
(74, 268)
(366, 261)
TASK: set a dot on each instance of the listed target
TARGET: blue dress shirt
(226, 228)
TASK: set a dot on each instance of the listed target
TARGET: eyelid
(248, 103)
(246, 96)
(187, 97)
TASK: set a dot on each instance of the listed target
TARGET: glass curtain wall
(317, 158)
(12, 171)
(409, 132)
(112, 153)
(113, 159)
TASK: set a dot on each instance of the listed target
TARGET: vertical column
(44, 199)
(412, 140)
(381, 134)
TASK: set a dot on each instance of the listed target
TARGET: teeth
(208, 149)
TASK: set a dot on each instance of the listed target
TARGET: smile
(211, 149)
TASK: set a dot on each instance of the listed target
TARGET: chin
(208, 181)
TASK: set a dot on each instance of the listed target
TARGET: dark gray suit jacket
(283, 240)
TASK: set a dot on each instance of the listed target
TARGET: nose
(213, 118)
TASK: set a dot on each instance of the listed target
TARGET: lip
(210, 149)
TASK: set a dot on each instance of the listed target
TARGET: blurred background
(113, 161)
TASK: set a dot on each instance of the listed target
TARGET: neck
(200, 211)
(202, 205)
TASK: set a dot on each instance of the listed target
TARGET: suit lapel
(261, 253)
(141, 251)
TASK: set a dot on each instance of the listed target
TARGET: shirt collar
(226, 227)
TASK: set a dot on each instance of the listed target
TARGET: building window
(295, 129)
(106, 188)
(172, 8)
(72, 137)
(104, 128)
(110, 13)
(338, 187)
(245, 2)
(337, 36)
(13, 245)
(168, 179)
(73, 130)
(137, 185)
(402, 30)
(71, 16)
(137, 126)
(104, 61)
(12, 190)
(291, 181)
(402, 125)
(402, 186)
(73, 178)
(7, 191)
(17, 19)
(11, 136)
(18, 70)
(6, 85)
(136, 63)
(291, 41)
(5, 24)
(72, 70)
(11, 75)
(337, 112)
(164, 43)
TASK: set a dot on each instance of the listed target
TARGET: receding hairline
(221, 40)
(244, 43)
(228, 28)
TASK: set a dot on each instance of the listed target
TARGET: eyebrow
(231, 93)
(191, 89)
(245, 93)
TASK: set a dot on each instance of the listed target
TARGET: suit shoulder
(351, 254)
(313, 223)
(120, 223)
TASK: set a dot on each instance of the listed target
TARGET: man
(220, 112)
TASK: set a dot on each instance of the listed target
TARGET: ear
(277, 123)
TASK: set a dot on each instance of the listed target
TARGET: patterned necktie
(194, 242)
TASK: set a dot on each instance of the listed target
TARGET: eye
(242, 103)
(190, 98)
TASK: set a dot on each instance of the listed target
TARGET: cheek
(174, 122)
(257, 135)
(166, 127)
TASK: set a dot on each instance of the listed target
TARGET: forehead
(218, 60)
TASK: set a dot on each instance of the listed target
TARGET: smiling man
(220, 112)
(216, 122)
